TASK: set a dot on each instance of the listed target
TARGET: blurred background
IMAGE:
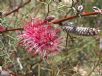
(82, 55)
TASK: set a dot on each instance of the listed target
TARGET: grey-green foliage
(80, 51)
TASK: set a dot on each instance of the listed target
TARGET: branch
(14, 29)
(16, 9)
(57, 21)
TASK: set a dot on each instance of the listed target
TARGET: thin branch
(16, 9)
(58, 21)
(14, 29)
(48, 10)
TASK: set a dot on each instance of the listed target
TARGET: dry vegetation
(81, 55)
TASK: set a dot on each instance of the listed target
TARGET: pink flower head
(39, 37)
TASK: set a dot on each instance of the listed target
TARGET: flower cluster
(40, 38)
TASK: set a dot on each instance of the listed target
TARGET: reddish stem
(57, 21)
(13, 29)
(16, 9)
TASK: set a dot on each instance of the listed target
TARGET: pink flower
(40, 38)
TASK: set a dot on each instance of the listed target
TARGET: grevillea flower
(40, 38)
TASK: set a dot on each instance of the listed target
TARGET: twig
(14, 29)
(67, 40)
(58, 21)
(16, 9)
(48, 10)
